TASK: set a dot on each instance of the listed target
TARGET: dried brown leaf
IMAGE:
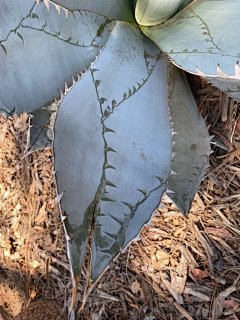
(218, 232)
(135, 287)
(200, 274)
(42, 214)
(229, 304)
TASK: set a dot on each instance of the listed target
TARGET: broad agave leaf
(154, 12)
(114, 9)
(200, 39)
(40, 132)
(12, 15)
(229, 86)
(43, 36)
(113, 141)
(191, 142)
(113, 167)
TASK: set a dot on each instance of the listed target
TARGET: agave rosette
(127, 128)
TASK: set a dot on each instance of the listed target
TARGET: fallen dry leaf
(200, 274)
(135, 287)
(238, 126)
(162, 255)
(229, 304)
(234, 312)
(42, 214)
(218, 231)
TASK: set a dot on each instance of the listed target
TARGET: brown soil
(43, 310)
(182, 268)
(13, 293)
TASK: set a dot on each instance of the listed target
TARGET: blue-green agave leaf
(11, 15)
(154, 12)
(112, 146)
(229, 86)
(190, 141)
(204, 39)
(44, 52)
(114, 9)
(40, 132)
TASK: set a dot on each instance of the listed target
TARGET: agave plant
(127, 128)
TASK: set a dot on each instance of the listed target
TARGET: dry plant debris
(43, 310)
(195, 261)
(182, 268)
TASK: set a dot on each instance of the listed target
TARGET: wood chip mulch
(182, 268)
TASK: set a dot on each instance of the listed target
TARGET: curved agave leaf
(114, 9)
(184, 4)
(191, 142)
(28, 84)
(154, 12)
(201, 37)
(229, 86)
(113, 147)
(40, 132)
(12, 14)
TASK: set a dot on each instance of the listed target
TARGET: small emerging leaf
(154, 12)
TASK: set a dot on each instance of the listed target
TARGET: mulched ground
(182, 268)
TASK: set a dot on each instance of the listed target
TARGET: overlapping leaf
(204, 35)
(114, 9)
(229, 86)
(12, 14)
(42, 51)
(112, 136)
(112, 147)
(40, 132)
(191, 143)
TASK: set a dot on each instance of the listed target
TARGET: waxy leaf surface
(204, 35)
(113, 147)
(191, 143)
(43, 52)
(154, 12)
(11, 15)
(40, 132)
(114, 9)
